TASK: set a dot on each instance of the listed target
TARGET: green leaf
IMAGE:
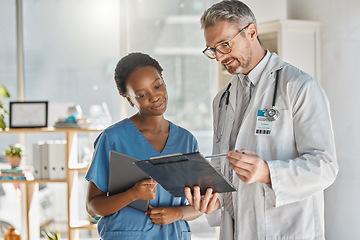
(49, 235)
(4, 92)
(57, 235)
(2, 123)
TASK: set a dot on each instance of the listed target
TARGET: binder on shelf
(49, 160)
(37, 159)
(52, 158)
(57, 159)
(44, 151)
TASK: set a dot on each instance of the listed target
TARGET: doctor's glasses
(222, 48)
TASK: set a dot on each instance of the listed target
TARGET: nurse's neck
(150, 123)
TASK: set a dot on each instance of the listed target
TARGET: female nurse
(144, 135)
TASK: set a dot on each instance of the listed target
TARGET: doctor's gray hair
(227, 10)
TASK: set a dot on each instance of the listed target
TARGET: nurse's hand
(164, 215)
(145, 189)
(249, 167)
(207, 203)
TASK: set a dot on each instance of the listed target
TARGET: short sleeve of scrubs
(129, 223)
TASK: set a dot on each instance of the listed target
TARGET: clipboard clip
(177, 159)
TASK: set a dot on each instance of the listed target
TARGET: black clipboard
(124, 174)
(175, 172)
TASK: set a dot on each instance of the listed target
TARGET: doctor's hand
(145, 189)
(207, 203)
(249, 167)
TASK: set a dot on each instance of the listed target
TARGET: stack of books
(16, 174)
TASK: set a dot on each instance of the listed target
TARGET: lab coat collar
(265, 82)
(255, 74)
(266, 79)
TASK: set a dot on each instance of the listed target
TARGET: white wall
(340, 42)
(268, 10)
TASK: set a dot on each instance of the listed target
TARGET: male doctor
(273, 120)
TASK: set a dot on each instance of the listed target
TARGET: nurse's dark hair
(130, 63)
(228, 10)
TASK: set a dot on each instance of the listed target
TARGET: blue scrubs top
(129, 223)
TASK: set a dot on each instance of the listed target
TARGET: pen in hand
(219, 155)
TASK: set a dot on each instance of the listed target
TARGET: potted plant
(3, 94)
(51, 236)
(14, 153)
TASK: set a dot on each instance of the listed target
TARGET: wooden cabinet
(31, 195)
(295, 41)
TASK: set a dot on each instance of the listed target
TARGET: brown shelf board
(34, 181)
(79, 167)
(48, 130)
(83, 224)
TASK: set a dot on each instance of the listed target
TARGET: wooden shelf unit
(73, 170)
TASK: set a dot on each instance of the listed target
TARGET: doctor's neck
(258, 54)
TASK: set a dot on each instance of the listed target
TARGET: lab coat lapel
(229, 116)
(233, 91)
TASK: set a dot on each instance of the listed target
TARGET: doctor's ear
(252, 30)
(130, 102)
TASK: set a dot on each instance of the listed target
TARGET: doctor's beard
(240, 67)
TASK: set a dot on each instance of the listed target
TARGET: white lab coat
(300, 153)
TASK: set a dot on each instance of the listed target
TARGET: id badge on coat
(263, 125)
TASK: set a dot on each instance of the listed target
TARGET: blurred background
(70, 49)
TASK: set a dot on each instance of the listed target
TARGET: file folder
(175, 172)
(123, 175)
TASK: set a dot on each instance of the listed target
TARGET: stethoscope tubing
(271, 117)
(276, 86)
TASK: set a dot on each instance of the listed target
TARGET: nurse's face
(147, 91)
(240, 57)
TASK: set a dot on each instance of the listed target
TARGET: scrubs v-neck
(129, 223)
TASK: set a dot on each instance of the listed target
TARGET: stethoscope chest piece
(272, 114)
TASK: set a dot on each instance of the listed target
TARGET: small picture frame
(30, 114)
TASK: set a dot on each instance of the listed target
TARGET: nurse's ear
(129, 100)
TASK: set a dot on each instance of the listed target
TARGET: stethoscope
(271, 114)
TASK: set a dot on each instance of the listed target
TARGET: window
(71, 48)
(8, 68)
(170, 32)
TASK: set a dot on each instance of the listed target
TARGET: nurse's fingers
(205, 200)
(188, 195)
(213, 204)
(196, 198)
(149, 182)
(153, 210)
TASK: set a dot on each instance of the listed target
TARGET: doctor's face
(240, 57)
(147, 91)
